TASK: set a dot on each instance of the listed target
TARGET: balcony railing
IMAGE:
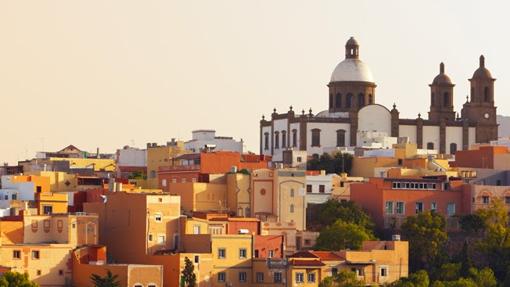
(180, 167)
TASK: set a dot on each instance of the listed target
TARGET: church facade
(353, 115)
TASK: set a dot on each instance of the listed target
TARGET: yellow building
(159, 156)
(238, 194)
(201, 196)
(97, 164)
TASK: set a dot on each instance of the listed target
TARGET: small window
(197, 259)
(6, 197)
(400, 208)
(242, 253)
(389, 207)
(453, 148)
(157, 217)
(300, 277)
(340, 138)
(308, 188)
(14, 196)
(242, 277)
(39, 189)
(433, 206)
(260, 277)
(291, 208)
(222, 253)
(430, 145)
(322, 188)
(61, 272)
(316, 137)
(39, 272)
(47, 209)
(196, 229)
(16, 254)
(419, 207)
(334, 271)
(266, 141)
(151, 285)
(294, 138)
(270, 253)
(276, 140)
(485, 199)
(161, 239)
(277, 277)
(150, 237)
(311, 277)
(138, 285)
(35, 254)
(450, 209)
(221, 277)
(291, 192)
(384, 271)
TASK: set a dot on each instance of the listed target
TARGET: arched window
(294, 138)
(370, 99)
(446, 99)
(266, 141)
(340, 138)
(338, 100)
(291, 192)
(330, 101)
(276, 140)
(284, 139)
(432, 102)
(361, 100)
(486, 94)
(348, 101)
(430, 145)
(316, 137)
(453, 148)
(291, 209)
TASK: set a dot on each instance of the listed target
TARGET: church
(354, 116)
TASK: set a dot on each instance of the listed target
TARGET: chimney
(97, 153)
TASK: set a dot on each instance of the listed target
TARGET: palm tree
(109, 280)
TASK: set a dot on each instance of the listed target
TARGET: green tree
(426, 233)
(472, 223)
(188, 273)
(109, 280)
(15, 279)
(465, 260)
(417, 279)
(342, 235)
(344, 278)
(339, 162)
(347, 211)
(449, 272)
(483, 278)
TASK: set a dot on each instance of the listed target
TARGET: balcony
(193, 167)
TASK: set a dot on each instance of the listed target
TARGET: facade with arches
(353, 112)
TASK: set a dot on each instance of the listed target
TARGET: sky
(111, 73)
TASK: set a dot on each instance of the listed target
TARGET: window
(152, 174)
(39, 189)
(270, 253)
(161, 239)
(266, 141)
(222, 253)
(316, 137)
(150, 237)
(486, 94)
(430, 145)
(389, 207)
(348, 101)
(242, 253)
(334, 271)
(277, 277)
(284, 139)
(36, 254)
(16, 254)
(291, 192)
(311, 277)
(60, 272)
(259, 277)
(384, 271)
(400, 207)
(47, 209)
(359, 272)
(433, 206)
(340, 138)
(338, 101)
(276, 139)
(242, 276)
(6, 197)
(446, 100)
(308, 188)
(370, 99)
(507, 199)
(322, 188)
(419, 207)
(291, 208)
(221, 277)
(361, 100)
(485, 199)
(450, 209)
(256, 253)
(294, 138)
(38, 272)
(157, 217)
(138, 285)
(453, 148)
(300, 277)
(196, 229)
(151, 285)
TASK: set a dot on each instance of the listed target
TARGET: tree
(465, 260)
(109, 280)
(339, 162)
(15, 279)
(347, 211)
(418, 279)
(188, 275)
(426, 233)
(344, 278)
(472, 223)
(483, 278)
(342, 235)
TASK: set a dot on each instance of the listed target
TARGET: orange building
(493, 157)
(390, 200)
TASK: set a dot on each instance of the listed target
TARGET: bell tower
(441, 97)
(480, 109)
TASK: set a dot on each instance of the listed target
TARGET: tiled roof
(328, 255)
(306, 263)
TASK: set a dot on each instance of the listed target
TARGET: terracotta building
(492, 157)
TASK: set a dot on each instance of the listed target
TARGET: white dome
(352, 70)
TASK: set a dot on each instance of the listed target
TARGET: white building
(207, 139)
(319, 187)
(353, 118)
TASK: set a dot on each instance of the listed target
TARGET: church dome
(352, 69)
(482, 72)
(442, 78)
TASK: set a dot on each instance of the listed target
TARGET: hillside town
(353, 195)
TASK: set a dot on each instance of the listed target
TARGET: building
(131, 162)
(390, 200)
(206, 140)
(492, 157)
(353, 116)
(161, 156)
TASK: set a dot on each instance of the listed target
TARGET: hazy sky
(105, 74)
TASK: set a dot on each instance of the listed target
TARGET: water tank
(395, 237)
